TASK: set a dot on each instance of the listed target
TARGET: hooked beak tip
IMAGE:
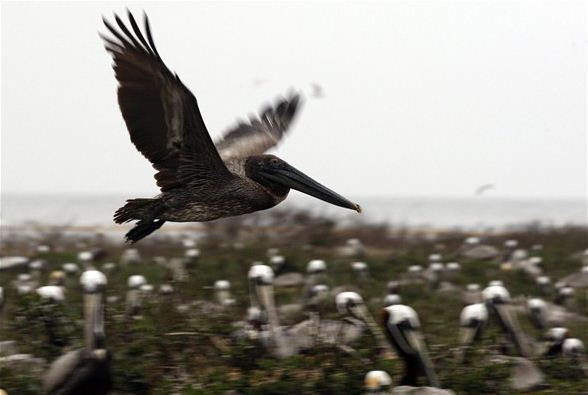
(358, 208)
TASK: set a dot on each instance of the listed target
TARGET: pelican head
(347, 303)
(277, 262)
(403, 330)
(70, 269)
(377, 381)
(136, 281)
(573, 347)
(279, 177)
(51, 293)
(316, 266)
(392, 299)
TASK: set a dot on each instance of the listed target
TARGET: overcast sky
(422, 98)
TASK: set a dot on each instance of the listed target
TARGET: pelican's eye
(274, 161)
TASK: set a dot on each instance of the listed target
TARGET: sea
(466, 213)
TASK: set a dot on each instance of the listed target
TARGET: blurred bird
(85, 371)
(199, 181)
(317, 91)
(483, 188)
(402, 327)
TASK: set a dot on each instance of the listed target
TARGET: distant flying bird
(198, 180)
(317, 90)
(483, 188)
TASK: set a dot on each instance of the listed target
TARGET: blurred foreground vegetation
(193, 353)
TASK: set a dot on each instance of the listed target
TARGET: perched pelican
(554, 340)
(361, 270)
(130, 255)
(544, 284)
(261, 280)
(564, 295)
(352, 303)
(315, 269)
(392, 287)
(192, 255)
(85, 371)
(473, 318)
(133, 302)
(277, 262)
(199, 181)
(498, 302)
(538, 313)
(222, 290)
(402, 327)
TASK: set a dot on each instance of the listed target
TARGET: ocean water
(475, 213)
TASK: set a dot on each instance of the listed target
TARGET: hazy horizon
(421, 99)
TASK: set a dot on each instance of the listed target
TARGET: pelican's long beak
(295, 179)
(362, 313)
(415, 339)
(94, 317)
(511, 325)
(467, 336)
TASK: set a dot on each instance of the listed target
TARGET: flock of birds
(397, 333)
(202, 181)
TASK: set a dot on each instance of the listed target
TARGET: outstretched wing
(161, 114)
(259, 134)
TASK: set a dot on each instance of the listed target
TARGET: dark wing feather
(259, 134)
(161, 114)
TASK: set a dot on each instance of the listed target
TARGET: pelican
(352, 303)
(222, 291)
(315, 269)
(544, 283)
(198, 180)
(261, 280)
(498, 302)
(133, 302)
(402, 327)
(473, 318)
(84, 371)
(361, 269)
(554, 340)
(538, 313)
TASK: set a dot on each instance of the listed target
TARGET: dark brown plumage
(198, 180)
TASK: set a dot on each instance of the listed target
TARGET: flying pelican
(402, 327)
(84, 371)
(199, 181)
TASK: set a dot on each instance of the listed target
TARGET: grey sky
(421, 98)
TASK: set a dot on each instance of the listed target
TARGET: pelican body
(199, 181)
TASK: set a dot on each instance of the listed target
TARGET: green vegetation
(193, 353)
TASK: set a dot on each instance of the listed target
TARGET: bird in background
(483, 188)
(199, 181)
